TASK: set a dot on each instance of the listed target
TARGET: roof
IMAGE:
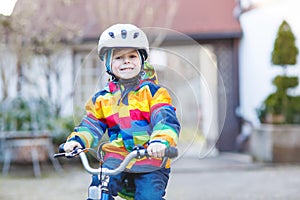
(202, 16)
(198, 18)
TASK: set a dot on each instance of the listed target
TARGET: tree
(30, 33)
(280, 106)
(285, 51)
(14, 40)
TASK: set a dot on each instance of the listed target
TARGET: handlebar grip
(59, 155)
(61, 148)
(171, 152)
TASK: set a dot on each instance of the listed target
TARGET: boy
(134, 110)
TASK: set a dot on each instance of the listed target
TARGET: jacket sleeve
(92, 126)
(165, 124)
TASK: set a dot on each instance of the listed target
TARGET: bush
(34, 115)
(279, 107)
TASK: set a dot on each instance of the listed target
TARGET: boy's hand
(156, 149)
(71, 145)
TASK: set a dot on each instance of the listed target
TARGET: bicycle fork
(98, 190)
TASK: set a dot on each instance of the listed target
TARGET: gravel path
(191, 179)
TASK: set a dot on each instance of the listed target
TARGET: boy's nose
(126, 60)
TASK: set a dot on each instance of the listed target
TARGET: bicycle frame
(98, 190)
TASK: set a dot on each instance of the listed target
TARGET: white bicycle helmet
(122, 36)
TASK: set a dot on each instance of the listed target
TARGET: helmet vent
(123, 34)
(111, 34)
(135, 35)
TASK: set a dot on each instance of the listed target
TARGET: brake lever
(75, 152)
(71, 154)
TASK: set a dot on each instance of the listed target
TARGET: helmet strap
(142, 58)
(108, 60)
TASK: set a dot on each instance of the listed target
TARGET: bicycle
(98, 189)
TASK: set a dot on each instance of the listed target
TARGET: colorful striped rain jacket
(147, 115)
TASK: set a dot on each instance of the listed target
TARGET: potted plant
(280, 111)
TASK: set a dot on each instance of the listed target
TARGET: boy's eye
(119, 57)
(133, 56)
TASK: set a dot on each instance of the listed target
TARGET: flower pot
(23, 147)
(275, 119)
(276, 143)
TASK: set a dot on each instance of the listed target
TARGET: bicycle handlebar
(170, 152)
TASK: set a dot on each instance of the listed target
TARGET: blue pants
(148, 186)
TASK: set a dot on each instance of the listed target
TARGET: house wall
(259, 33)
(34, 84)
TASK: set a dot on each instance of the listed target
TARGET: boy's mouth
(126, 68)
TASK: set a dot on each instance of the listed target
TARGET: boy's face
(126, 63)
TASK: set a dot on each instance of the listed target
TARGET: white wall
(256, 71)
(7, 60)
(35, 84)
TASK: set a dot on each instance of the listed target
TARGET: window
(89, 77)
